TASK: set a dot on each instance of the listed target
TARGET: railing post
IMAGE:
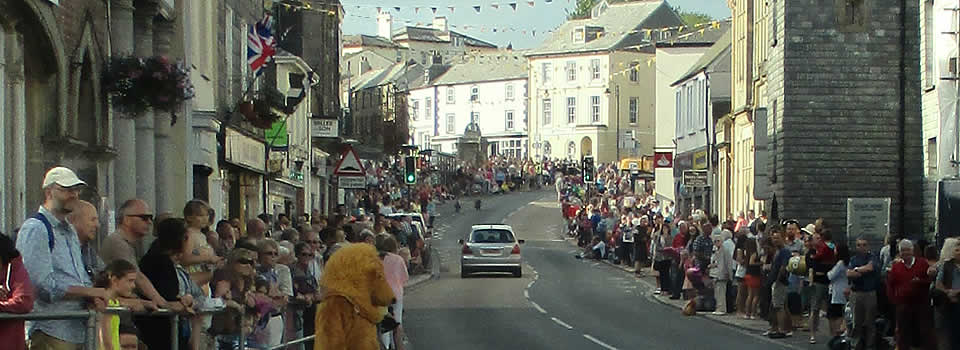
(92, 335)
(174, 332)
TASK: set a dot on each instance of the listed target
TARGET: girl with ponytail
(119, 279)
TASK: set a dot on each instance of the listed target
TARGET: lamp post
(617, 94)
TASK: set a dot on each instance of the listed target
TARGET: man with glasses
(51, 253)
(134, 221)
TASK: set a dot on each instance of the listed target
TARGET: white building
(674, 57)
(591, 83)
(489, 90)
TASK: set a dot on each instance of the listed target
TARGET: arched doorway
(586, 147)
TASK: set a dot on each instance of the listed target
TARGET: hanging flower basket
(137, 83)
(259, 113)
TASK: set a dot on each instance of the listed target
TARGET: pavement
(560, 302)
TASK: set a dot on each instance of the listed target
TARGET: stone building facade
(843, 86)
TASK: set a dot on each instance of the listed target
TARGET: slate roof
(622, 25)
(712, 55)
(492, 67)
(435, 35)
(368, 40)
(410, 75)
(690, 36)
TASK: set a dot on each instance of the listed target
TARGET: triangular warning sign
(349, 164)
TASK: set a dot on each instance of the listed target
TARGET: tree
(692, 17)
(583, 9)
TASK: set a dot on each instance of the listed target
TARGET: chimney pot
(385, 25)
(440, 23)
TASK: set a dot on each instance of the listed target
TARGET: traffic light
(410, 170)
(588, 169)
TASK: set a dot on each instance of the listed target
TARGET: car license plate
(490, 251)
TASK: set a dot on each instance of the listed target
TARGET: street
(559, 303)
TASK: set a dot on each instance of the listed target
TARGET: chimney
(440, 23)
(385, 25)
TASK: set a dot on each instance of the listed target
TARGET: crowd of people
(787, 273)
(260, 282)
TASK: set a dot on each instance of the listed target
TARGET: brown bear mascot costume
(355, 300)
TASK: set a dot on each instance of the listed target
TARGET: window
(678, 107)
(509, 92)
(571, 71)
(634, 72)
(929, 35)
(932, 157)
(474, 94)
(546, 111)
(451, 123)
(414, 110)
(634, 109)
(426, 141)
(851, 15)
(228, 49)
(451, 96)
(509, 119)
(595, 109)
(571, 110)
(427, 108)
(545, 71)
(244, 67)
(578, 35)
(595, 68)
(423, 57)
(475, 117)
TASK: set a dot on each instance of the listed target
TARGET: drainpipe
(901, 122)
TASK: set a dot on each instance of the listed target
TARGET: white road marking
(537, 306)
(558, 240)
(526, 294)
(530, 284)
(598, 342)
(561, 323)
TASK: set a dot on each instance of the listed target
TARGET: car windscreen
(492, 236)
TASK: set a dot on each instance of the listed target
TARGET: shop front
(690, 174)
(245, 166)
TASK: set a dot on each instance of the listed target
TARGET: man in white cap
(51, 252)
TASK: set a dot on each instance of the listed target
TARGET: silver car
(491, 248)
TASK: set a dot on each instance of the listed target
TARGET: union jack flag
(261, 45)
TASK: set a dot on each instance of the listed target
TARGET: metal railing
(93, 320)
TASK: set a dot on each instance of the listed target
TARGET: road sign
(695, 178)
(355, 182)
(349, 164)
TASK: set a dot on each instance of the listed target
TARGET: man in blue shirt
(56, 267)
(864, 281)
(781, 323)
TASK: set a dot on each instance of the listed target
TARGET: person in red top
(16, 294)
(908, 287)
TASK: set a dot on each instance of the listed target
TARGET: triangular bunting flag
(451, 8)
(531, 3)
(495, 5)
(416, 10)
(534, 33)
(494, 30)
(434, 9)
(513, 5)
(378, 9)
(548, 1)
(397, 9)
(524, 32)
(476, 8)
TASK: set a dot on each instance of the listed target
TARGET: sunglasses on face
(245, 261)
(144, 217)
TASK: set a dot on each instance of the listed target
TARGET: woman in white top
(839, 289)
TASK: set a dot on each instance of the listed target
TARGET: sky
(524, 28)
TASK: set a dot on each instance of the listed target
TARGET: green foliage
(692, 17)
(583, 9)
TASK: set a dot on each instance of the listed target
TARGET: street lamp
(617, 92)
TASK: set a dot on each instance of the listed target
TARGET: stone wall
(835, 100)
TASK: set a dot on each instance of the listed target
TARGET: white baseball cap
(61, 176)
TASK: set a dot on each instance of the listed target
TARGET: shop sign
(323, 127)
(663, 160)
(700, 160)
(352, 182)
(244, 151)
(695, 178)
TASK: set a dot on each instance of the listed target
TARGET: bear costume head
(356, 296)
